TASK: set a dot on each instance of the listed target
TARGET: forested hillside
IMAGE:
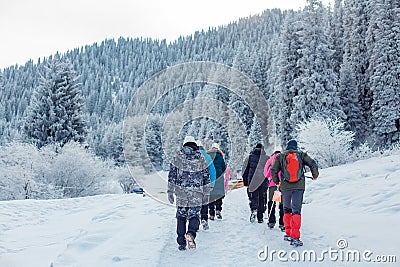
(340, 62)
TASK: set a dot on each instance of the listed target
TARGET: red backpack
(292, 167)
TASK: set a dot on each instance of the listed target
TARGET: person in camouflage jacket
(189, 181)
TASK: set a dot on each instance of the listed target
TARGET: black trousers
(272, 205)
(257, 201)
(204, 212)
(215, 205)
(183, 216)
(272, 217)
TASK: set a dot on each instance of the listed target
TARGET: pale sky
(30, 29)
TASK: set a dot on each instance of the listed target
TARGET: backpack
(292, 167)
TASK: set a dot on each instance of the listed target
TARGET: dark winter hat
(259, 145)
(292, 144)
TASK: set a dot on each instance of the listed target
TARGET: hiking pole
(269, 215)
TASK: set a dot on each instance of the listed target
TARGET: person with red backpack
(292, 185)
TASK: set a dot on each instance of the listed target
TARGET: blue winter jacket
(220, 166)
(211, 167)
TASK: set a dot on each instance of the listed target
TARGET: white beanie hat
(199, 143)
(278, 148)
(215, 145)
(189, 139)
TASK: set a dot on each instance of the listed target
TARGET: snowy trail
(224, 243)
(234, 241)
(358, 202)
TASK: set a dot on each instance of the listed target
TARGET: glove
(171, 198)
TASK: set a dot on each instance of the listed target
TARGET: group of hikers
(197, 183)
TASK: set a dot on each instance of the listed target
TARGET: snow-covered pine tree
(348, 90)
(242, 63)
(316, 86)
(55, 112)
(384, 45)
(260, 68)
(336, 34)
(112, 144)
(259, 74)
(268, 89)
(348, 94)
(153, 140)
(255, 135)
(133, 137)
(356, 15)
(282, 75)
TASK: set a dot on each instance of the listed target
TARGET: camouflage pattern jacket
(189, 178)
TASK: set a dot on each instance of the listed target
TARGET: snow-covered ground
(358, 203)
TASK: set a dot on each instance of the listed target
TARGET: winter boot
(282, 227)
(260, 220)
(253, 216)
(218, 215)
(212, 217)
(204, 223)
(182, 247)
(296, 242)
(287, 238)
(190, 241)
(271, 225)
